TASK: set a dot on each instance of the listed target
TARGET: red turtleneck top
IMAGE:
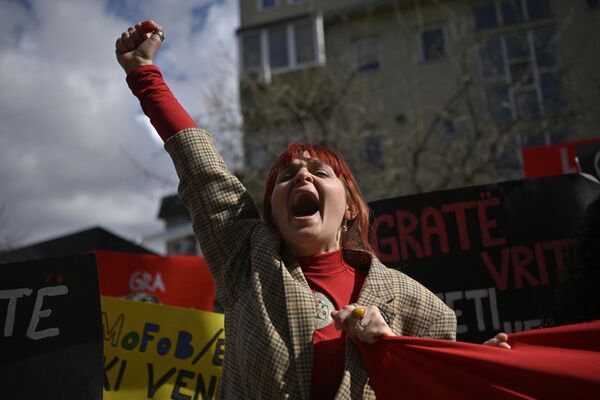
(334, 284)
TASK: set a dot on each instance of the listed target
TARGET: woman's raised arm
(223, 214)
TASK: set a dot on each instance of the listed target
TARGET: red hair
(357, 236)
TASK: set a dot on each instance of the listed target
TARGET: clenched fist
(138, 45)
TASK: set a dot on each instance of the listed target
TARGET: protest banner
(552, 363)
(51, 340)
(182, 281)
(556, 159)
(159, 352)
(494, 253)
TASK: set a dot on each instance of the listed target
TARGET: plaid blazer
(269, 307)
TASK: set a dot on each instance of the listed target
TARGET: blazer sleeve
(223, 214)
(443, 326)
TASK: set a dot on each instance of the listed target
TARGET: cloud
(75, 151)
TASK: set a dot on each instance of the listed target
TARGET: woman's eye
(322, 173)
(285, 177)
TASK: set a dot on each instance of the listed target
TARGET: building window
(372, 151)
(448, 128)
(593, 3)
(433, 46)
(366, 53)
(485, 16)
(537, 9)
(512, 12)
(183, 246)
(178, 221)
(304, 42)
(266, 4)
(251, 56)
(521, 75)
(296, 1)
(508, 12)
(279, 48)
(545, 138)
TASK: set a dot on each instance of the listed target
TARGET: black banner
(51, 329)
(494, 253)
(588, 158)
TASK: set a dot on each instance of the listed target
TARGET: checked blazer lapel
(300, 306)
(381, 289)
(378, 287)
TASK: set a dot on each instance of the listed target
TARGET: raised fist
(138, 45)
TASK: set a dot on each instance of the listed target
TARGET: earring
(345, 226)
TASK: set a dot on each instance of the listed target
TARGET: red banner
(556, 159)
(552, 363)
(182, 281)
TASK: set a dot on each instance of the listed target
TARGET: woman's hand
(368, 328)
(139, 45)
(500, 340)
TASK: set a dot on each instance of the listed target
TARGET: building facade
(418, 95)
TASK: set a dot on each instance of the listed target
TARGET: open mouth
(305, 204)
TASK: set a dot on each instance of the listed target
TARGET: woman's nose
(303, 175)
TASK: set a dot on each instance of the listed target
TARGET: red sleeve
(158, 102)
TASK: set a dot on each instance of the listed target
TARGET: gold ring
(359, 312)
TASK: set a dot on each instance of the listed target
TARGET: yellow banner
(160, 352)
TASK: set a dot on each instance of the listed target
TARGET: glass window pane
(559, 136)
(539, 9)
(534, 139)
(251, 51)
(551, 93)
(433, 44)
(367, 54)
(305, 42)
(512, 12)
(485, 16)
(544, 41)
(517, 46)
(527, 104)
(278, 51)
(265, 4)
(372, 150)
(499, 103)
(521, 74)
(492, 61)
(448, 128)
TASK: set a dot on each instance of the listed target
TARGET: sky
(75, 149)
